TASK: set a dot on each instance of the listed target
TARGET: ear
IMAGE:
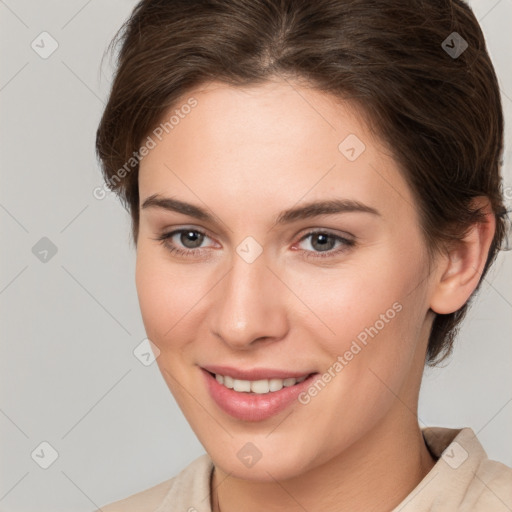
(460, 269)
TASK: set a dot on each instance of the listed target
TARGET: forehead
(270, 144)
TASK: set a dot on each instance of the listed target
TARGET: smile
(255, 398)
(261, 386)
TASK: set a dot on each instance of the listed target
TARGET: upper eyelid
(174, 232)
(307, 233)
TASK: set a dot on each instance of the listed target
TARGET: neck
(374, 474)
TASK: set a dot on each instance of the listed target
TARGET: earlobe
(461, 268)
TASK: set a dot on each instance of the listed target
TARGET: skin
(246, 154)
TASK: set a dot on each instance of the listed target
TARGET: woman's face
(263, 286)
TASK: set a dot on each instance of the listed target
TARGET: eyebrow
(309, 210)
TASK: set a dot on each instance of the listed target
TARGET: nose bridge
(248, 305)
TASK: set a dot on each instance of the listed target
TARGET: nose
(249, 307)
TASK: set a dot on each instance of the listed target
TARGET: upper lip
(255, 373)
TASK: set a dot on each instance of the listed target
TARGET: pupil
(323, 240)
(192, 237)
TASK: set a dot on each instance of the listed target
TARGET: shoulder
(491, 487)
(145, 501)
(192, 484)
(468, 477)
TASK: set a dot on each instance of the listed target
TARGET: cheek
(166, 299)
(367, 361)
(349, 301)
(164, 293)
(371, 313)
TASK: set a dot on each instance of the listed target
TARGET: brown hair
(438, 111)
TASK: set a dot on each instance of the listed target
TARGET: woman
(315, 197)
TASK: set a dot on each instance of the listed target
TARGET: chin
(266, 469)
(258, 458)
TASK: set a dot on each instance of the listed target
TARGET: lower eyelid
(346, 243)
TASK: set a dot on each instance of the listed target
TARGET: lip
(255, 373)
(253, 406)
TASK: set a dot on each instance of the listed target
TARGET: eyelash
(346, 244)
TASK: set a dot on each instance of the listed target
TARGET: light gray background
(69, 326)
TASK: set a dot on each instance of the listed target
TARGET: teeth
(257, 386)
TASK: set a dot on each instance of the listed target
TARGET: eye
(188, 241)
(185, 242)
(323, 243)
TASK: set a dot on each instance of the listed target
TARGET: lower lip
(253, 406)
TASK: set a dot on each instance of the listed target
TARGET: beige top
(463, 479)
